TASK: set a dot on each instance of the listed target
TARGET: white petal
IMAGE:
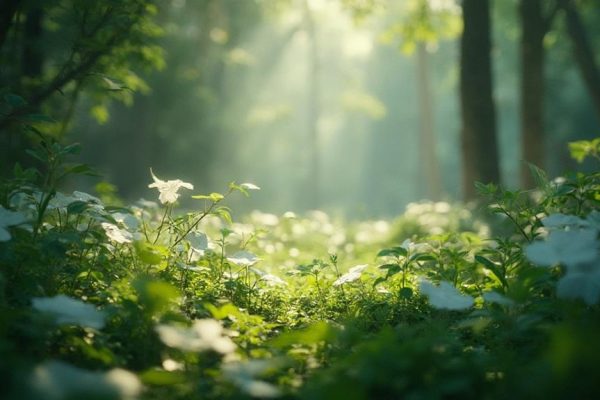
(249, 186)
(243, 258)
(359, 268)
(445, 296)
(559, 220)
(59, 380)
(116, 234)
(495, 297)
(4, 234)
(70, 311)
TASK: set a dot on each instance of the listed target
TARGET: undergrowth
(106, 301)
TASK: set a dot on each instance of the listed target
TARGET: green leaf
(14, 100)
(155, 295)
(488, 264)
(225, 311)
(314, 334)
(539, 176)
(393, 251)
(150, 253)
(77, 207)
(422, 257)
(72, 149)
(583, 148)
(224, 213)
(159, 377)
(379, 280)
(37, 155)
(214, 197)
(406, 293)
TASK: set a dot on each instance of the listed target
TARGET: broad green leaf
(406, 293)
(14, 100)
(150, 253)
(422, 257)
(488, 264)
(394, 251)
(156, 296)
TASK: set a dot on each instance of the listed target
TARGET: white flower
(352, 275)
(564, 247)
(204, 334)
(244, 376)
(168, 190)
(9, 218)
(249, 186)
(116, 234)
(57, 380)
(192, 267)
(243, 258)
(270, 279)
(126, 220)
(70, 311)
(445, 296)
(495, 297)
(561, 220)
(198, 242)
(577, 285)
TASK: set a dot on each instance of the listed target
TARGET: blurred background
(355, 107)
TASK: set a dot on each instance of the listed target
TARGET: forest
(299, 199)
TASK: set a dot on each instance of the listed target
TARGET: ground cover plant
(110, 301)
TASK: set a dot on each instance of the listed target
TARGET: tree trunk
(429, 179)
(583, 52)
(478, 135)
(532, 87)
(8, 9)
(33, 57)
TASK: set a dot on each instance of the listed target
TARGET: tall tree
(429, 168)
(64, 46)
(582, 50)
(478, 135)
(534, 26)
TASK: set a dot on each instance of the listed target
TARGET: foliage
(148, 301)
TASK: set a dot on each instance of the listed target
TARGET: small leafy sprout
(169, 190)
(445, 296)
(402, 259)
(243, 188)
(203, 335)
(582, 149)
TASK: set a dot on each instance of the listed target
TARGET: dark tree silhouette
(478, 135)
